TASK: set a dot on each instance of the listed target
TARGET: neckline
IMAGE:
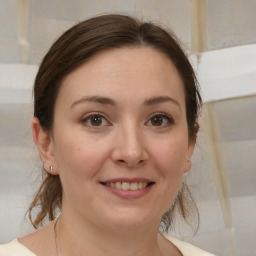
(172, 240)
(27, 250)
(22, 247)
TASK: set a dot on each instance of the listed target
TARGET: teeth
(118, 185)
(127, 186)
(134, 186)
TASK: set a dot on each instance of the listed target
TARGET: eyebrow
(160, 99)
(108, 101)
(95, 99)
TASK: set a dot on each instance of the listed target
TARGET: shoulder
(38, 242)
(14, 248)
(187, 249)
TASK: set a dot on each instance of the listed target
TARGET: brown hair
(78, 45)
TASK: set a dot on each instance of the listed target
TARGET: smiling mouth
(132, 186)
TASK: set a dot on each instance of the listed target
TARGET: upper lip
(128, 180)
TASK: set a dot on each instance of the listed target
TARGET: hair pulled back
(76, 46)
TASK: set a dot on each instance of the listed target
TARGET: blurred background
(219, 36)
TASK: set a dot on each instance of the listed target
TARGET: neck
(78, 237)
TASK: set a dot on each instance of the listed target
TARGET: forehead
(140, 72)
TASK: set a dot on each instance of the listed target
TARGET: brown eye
(157, 120)
(96, 120)
(161, 120)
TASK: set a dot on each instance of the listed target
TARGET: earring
(190, 163)
(51, 169)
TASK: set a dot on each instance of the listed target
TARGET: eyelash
(91, 115)
(87, 117)
(169, 119)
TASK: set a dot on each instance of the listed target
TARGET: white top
(15, 248)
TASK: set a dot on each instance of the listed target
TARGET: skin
(126, 144)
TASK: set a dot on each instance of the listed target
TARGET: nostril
(121, 161)
(131, 163)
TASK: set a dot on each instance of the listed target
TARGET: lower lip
(129, 194)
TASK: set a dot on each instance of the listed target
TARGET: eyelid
(162, 114)
(87, 116)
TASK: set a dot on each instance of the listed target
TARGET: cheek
(170, 161)
(170, 157)
(74, 155)
(79, 163)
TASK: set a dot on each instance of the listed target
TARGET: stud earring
(51, 169)
(190, 163)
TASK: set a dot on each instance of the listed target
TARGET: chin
(132, 220)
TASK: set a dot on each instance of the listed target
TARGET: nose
(129, 147)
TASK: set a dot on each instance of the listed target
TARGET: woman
(115, 122)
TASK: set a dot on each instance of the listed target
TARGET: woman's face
(120, 138)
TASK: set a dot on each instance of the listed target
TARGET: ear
(45, 146)
(191, 146)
